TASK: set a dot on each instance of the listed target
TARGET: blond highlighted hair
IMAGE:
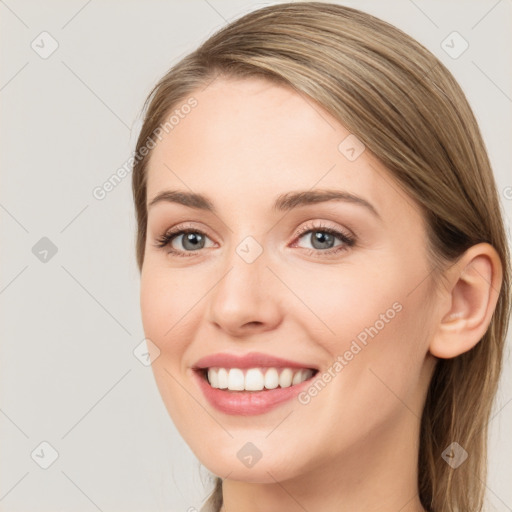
(409, 111)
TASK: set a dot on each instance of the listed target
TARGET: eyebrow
(283, 203)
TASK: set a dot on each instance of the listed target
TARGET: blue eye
(193, 240)
(322, 238)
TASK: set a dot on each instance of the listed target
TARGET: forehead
(248, 117)
(250, 138)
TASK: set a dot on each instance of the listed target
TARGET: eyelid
(320, 226)
(346, 236)
(180, 229)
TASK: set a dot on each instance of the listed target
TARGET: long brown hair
(409, 111)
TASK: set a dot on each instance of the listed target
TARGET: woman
(324, 267)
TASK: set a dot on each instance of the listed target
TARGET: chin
(242, 461)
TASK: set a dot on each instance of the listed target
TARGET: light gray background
(69, 326)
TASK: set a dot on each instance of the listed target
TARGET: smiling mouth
(255, 379)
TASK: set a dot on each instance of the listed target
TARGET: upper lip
(250, 360)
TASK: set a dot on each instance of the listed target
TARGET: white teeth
(297, 378)
(285, 379)
(271, 378)
(213, 378)
(236, 379)
(307, 374)
(256, 379)
(222, 378)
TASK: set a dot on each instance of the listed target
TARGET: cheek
(341, 302)
(371, 378)
(383, 352)
(376, 321)
(165, 300)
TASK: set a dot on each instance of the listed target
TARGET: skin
(354, 446)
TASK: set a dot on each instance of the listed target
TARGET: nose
(247, 299)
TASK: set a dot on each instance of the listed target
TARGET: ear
(469, 299)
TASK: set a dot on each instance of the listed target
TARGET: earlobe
(472, 291)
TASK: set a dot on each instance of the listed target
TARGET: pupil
(192, 238)
(324, 239)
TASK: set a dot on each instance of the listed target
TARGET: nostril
(254, 324)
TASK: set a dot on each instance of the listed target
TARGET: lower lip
(248, 403)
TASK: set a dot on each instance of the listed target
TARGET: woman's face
(257, 273)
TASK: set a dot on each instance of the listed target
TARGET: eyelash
(348, 240)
